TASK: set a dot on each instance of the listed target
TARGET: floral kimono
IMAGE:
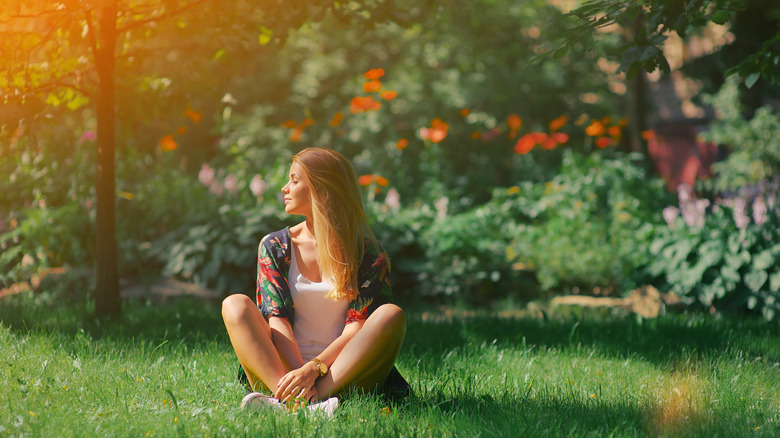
(273, 291)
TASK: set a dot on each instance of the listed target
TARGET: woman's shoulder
(276, 240)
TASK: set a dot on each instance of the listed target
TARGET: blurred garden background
(510, 151)
(515, 157)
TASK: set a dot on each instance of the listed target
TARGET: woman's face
(296, 193)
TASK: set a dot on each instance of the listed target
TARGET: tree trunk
(107, 301)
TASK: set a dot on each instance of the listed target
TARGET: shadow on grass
(671, 338)
(187, 321)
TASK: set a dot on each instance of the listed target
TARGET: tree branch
(161, 17)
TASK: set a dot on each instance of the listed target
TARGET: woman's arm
(285, 343)
(305, 376)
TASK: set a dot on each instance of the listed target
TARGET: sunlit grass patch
(161, 371)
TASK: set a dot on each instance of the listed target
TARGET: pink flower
(670, 214)
(87, 136)
(258, 186)
(393, 199)
(206, 175)
(759, 210)
(231, 184)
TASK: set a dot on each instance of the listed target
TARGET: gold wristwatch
(322, 367)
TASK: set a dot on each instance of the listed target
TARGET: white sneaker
(326, 407)
(256, 400)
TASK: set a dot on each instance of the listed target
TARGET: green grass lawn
(170, 370)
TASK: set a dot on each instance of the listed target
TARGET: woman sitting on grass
(322, 322)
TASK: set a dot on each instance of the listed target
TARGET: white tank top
(318, 320)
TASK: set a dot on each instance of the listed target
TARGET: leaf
(265, 35)
(763, 260)
(560, 53)
(755, 280)
(751, 302)
(721, 17)
(751, 79)
(774, 282)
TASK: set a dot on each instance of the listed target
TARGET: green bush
(754, 154)
(589, 226)
(724, 257)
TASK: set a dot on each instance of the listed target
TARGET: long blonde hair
(340, 226)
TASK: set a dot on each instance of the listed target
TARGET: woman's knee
(236, 308)
(391, 317)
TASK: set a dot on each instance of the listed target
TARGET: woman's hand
(298, 384)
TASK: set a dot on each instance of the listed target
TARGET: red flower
(402, 143)
(560, 137)
(514, 122)
(603, 142)
(539, 137)
(558, 123)
(525, 144)
(437, 132)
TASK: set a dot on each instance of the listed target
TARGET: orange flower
(374, 73)
(539, 137)
(389, 95)
(514, 122)
(361, 104)
(308, 121)
(336, 119)
(193, 115)
(402, 143)
(614, 131)
(476, 135)
(289, 124)
(603, 142)
(168, 144)
(181, 130)
(372, 86)
(296, 134)
(365, 180)
(595, 129)
(558, 123)
(623, 122)
(606, 120)
(525, 144)
(648, 135)
(437, 132)
(464, 112)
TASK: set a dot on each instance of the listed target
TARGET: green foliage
(647, 24)
(47, 237)
(716, 263)
(221, 250)
(753, 143)
(588, 226)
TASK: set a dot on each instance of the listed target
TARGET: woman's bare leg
(369, 356)
(251, 338)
